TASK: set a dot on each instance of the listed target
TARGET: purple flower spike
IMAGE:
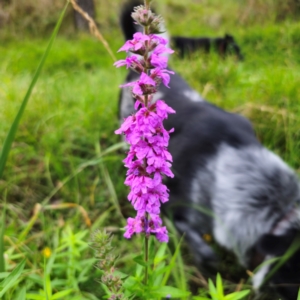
(148, 159)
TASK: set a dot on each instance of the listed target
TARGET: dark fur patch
(223, 45)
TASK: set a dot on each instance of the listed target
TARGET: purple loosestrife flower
(137, 44)
(162, 74)
(131, 62)
(146, 85)
(148, 158)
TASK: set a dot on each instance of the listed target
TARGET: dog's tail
(128, 26)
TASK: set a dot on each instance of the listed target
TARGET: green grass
(72, 114)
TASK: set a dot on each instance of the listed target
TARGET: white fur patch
(157, 96)
(127, 104)
(192, 95)
(243, 178)
(243, 195)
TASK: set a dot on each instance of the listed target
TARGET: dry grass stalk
(249, 107)
(93, 27)
(240, 285)
(83, 212)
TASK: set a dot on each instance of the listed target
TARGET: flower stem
(146, 258)
(147, 4)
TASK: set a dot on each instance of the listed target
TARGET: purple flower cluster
(148, 159)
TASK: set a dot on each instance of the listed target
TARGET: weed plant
(64, 175)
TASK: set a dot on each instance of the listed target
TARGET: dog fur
(226, 185)
(223, 45)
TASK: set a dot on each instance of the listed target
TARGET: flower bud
(142, 15)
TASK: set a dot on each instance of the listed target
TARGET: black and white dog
(226, 184)
(223, 45)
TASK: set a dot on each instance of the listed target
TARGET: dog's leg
(203, 254)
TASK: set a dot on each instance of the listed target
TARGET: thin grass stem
(146, 258)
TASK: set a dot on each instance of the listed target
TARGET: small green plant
(216, 292)
(47, 293)
(120, 286)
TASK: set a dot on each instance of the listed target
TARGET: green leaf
(237, 295)
(141, 261)
(151, 249)
(298, 298)
(139, 271)
(11, 279)
(61, 294)
(160, 254)
(172, 263)
(212, 290)
(35, 297)
(2, 228)
(13, 129)
(47, 286)
(158, 274)
(22, 294)
(219, 285)
(4, 275)
(169, 290)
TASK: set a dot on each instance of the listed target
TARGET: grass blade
(13, 129)
(2, 228)
(22, 294)
(81, 167)
(12, 278)
(172, 264)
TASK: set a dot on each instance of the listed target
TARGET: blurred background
(64, 176)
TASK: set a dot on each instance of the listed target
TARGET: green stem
(147, 4)
(146, 31)
(146, 257)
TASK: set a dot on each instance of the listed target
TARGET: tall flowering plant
(148, 159)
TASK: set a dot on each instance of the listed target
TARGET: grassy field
(64, 177)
